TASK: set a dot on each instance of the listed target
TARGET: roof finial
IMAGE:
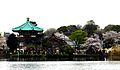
(28, 19)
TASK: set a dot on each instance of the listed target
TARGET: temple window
(21, 36)
(33, 36)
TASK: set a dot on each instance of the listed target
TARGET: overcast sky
(56, 13)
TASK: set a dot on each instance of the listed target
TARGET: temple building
(28, 33)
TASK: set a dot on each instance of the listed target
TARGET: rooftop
(27, 26)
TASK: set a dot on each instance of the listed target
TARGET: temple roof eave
(27, 30)
(27, 27)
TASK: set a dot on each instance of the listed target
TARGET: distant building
(54, 44)
(28, 33)
(56, 41)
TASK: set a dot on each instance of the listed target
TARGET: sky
(56, 13)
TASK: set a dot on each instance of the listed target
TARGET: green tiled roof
(27, 27)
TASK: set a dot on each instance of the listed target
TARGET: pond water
(60, 65)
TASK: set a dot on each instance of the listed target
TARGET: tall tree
(66, 50)
(108, 28)
(12, 42)
(79, 26)
(112, 28)
(78, 36)
(72, 28)
(108, 43)
(62, 29)
(90, 27)
(67, 30)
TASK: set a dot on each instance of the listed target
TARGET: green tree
(108, 43)
(78, 36)
(62, 29)
(108, 28)
(100, 32)
(67, 30)
(46, 43)
(112, 28)
(12, 42)
(66, 50)
(90, 27)
(72, 28)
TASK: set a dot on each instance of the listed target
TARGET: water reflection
(61, 65)
(59, 59)
(21, 66)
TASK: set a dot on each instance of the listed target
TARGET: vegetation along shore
(66, 42)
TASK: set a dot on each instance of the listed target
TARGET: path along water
(60, 65)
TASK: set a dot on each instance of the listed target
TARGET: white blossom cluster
(94, 41)
(112, 34)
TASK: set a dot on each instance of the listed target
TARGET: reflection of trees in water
(57, 59)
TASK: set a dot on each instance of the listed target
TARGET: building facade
(28, 33)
